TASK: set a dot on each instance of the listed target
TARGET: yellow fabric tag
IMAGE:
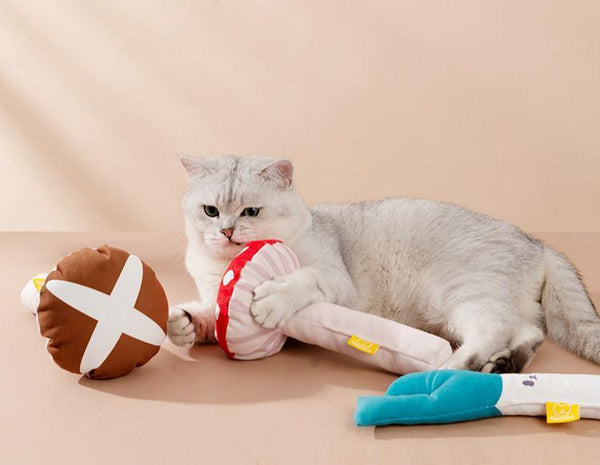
(560, 412)
(38, 283)
(363, 345)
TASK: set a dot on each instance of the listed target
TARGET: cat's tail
(571, 318)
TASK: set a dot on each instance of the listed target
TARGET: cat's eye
(250, 211)
(211, 211)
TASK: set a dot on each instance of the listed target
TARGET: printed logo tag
(363, 345)
(38, 283)
(560, 412)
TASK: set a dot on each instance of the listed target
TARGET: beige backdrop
(493, 105)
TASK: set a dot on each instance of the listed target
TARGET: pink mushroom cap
(238, 334)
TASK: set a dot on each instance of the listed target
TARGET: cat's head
(233, 200)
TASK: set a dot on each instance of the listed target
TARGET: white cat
(481, 283)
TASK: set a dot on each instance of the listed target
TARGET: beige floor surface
(201, 408)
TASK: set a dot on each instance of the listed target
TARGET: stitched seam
(521, 404)
(541, 403)
(438, 416)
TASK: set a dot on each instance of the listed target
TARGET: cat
(483, 284)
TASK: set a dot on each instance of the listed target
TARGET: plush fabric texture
(378, 341)
(103, 311)
(448, 396)
(444, 396)
(236, 331)
(527, 393)
(30, 295)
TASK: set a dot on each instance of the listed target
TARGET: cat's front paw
(204, 326)
(180, 328)
(273, 303)
(184, 327)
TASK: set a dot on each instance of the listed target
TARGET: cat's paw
(204, 326)
(180, 328)
(185, 328)
(273, 303)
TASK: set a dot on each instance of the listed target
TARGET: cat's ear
(193, 166)
(279, 171)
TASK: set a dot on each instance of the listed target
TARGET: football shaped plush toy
(385, 343)
(103, 312)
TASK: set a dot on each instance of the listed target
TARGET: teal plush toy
(448, 396)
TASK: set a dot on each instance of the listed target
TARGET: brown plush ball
(103, 311)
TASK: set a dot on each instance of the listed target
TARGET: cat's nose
(228, 232)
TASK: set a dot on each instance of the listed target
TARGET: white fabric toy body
(30, 295)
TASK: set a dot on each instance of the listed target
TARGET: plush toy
(448, 396)
(385, 343)
(103, 312)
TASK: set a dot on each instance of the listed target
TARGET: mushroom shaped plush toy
(385, 343)
(103, 311)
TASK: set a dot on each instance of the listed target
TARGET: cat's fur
(481, 283)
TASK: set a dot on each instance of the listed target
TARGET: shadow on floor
(205, 375)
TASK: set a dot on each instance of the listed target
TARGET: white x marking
(114, 312)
